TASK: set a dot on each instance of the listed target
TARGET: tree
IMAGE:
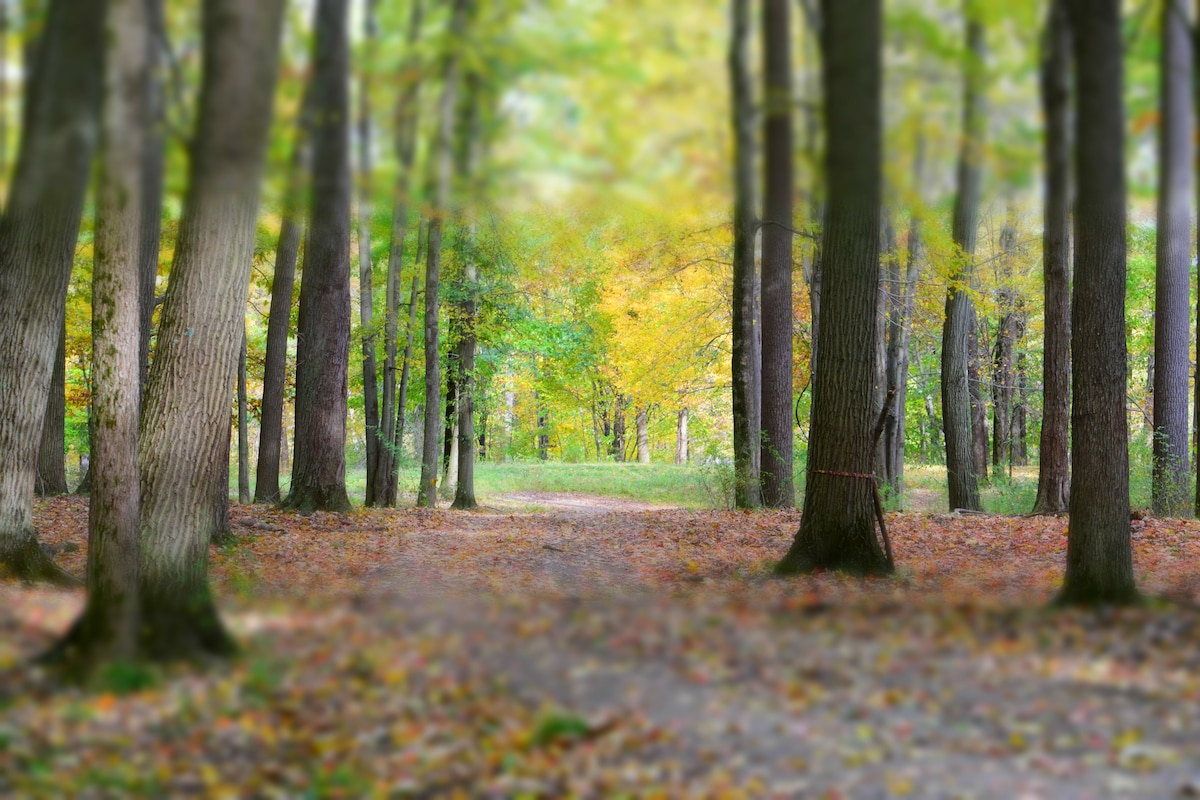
(108, 628)
(442, 165)
(323, 327)
(38, 233)
(748, 491)
(51, 460)
(837, 528)
(957, 352)
(1099, 553)
(153, 137)
(778, 489)
(1173, 262)
(1054, 476)
(366, 294)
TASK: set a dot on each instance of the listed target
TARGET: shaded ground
(596, 648)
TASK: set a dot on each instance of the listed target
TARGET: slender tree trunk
(1004, 360)
(1099, 552)
(323, 327)
(748, 491)
(108, 628)
(184, 447)
(377, 468)
(243, 430)
(38, 234)
(1054, 475)
(681, 437)
(618, 445)
(406, 361)
(443, 165)
(1170, 486)
(778, 156)
(643, 435)
(271, 435)
(52, 459)
(958, 419)
(885, 306)
(464, 493)
(153, 111)
(837, 529)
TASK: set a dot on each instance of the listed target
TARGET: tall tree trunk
(886, 307)
(957, 352)
(618, 443)
(108, 629)
(271, 436)
(243, 429)
(1099, 552)
(1004, 359)
(643, 435)
(681, 437)
(38, 234)
(153, 137)
(837, 529)
(323, 327)
(980, 359)
(442, 161)
(1054, 475)
(464, 492)
(778, 156)
(406, 361)
(184, 447)
(1170, 486)
(748, 491)
(376, 466)
(52, 459)
(407, 110)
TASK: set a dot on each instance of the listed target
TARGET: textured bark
(52, 460)
(243, 429)
(464, 490)
(323, 326)
(1004, 359)
(1054, 468)
(1170, 486)
(271, 437)
(407, 111)
(681, 437)
(153, 137)
(376, 468)
(957, 416)
(1099, 553)
(442, 162)
(643, 435)
(748, 491)
(38, 234)
(618, 428)
(885, 306)
(777, 485)
(185, 421)
(837, 529)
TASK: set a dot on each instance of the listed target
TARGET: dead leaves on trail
(592, 651)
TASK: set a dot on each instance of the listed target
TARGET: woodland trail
(593, 648)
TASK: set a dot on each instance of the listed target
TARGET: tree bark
(243, 430)
(1170, 484)
(185, 421)
(643, 435)
(777, 485)
(837, 528)
(681, 437)
(1004, 362)
(746, 411)
(1099, 553)
(406, 361)
(375, 436)
(618, 442)
(323, 327)
(153, 156)
(1054, 472)
(38, 234)
(52, 460)
(957, 352)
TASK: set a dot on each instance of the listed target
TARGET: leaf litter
(595, 649)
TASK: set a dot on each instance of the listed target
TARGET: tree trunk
(618, 443)
(837, 529)
(886, 307)
(377, 468)
(957, 352)
(1099, 552)
(643, 435)
(1054, 475)
(681, 437)
(283, 283)
(323, 327)
(243, 430)
(38, 234)
(442, 162)
(406, 362)
(407, 110)
(185, 421)
(748, 490)
(778, 156)
(108, 629)
(464, 493)
(1170, 485)
(52, 459)
(1004, 359)
(153, 137)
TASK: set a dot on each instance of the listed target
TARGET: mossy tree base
(27, 561)
(306, 500)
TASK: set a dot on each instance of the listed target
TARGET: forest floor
(554, 645)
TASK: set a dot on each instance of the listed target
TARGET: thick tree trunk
(1054, 475)
(778, 156)
(746, 411)
(377, 467)
(185, 421)
(108, 629)
(643, 435)
(837, 529)
(392, 413)
(243, 430)
(323, 327)
(271, 436)
(957, 415)
(1099, 552)
(681, 437)
(1170, 486)
(38, 234)
(52, 459)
